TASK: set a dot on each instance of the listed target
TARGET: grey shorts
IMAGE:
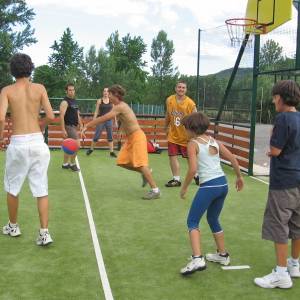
(282, 216)
(72, 132)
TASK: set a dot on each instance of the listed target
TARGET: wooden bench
(235, 138)
(153, 128)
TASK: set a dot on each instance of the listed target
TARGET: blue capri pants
(108, 125)
(210, 197)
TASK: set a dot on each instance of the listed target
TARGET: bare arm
(46, 105)
(62, 111)
(192, 150)
(97, 108)
(3, 111)
(79, 120)
(110, 115)
(229, 156)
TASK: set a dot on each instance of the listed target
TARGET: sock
(295, 261)
(72, 164)
(43, 230)
(12, 224)
(197, 256)
(281, 270)
(155, 190)
(65, 164)
(176, 178)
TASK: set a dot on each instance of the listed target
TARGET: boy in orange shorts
(133, 154)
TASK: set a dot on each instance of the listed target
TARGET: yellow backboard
(272, 13)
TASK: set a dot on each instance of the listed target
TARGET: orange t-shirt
(176, 111)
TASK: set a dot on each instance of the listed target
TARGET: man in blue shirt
(282, 214)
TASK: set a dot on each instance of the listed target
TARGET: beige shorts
(27, 156)
(282, 216)
(72, 132)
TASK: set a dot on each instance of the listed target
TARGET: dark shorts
(174, 149)
(72, 132)
(282, 216)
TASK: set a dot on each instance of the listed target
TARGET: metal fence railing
(88, 106)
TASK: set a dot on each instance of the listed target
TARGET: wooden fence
(235, 137)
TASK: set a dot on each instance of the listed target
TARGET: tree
(13, 14)
(67, 57)
(127, 54)
(50, 79)
(163, 70)
(270, 54)
(91, 70)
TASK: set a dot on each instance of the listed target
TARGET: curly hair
(289, 92)
(118, 91)
(21, 65)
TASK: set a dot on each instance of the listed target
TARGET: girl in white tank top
(209, 165)
(204, 157)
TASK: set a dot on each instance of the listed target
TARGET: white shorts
(27, 156)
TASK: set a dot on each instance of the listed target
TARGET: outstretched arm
(110, 115)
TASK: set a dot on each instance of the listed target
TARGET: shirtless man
(27, 155)
(133, 154)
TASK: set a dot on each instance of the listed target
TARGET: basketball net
(237, 28)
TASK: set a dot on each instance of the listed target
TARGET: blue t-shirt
(285, 168)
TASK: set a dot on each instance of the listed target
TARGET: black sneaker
(74, 168)
(196, 178)
(65, 166)
(173, 183)
(89, 151)
(112, 154)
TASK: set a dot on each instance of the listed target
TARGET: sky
(93, 21)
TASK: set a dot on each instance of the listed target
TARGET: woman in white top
(204, 157)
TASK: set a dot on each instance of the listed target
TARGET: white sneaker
(293, 268)
(218, 258)
(274, 280)
(151, 195)
(44, 239)
(11, 230)
(196, 264)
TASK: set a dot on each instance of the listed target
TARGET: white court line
(258, 179)
(101, 267)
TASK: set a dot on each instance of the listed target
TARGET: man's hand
(83, 130)
(64, 133)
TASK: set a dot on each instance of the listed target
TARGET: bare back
(127, 118)
(24, 100)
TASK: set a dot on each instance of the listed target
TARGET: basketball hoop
(238, 27)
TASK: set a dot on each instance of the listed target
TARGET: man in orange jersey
(178, 106)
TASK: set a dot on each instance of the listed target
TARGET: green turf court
(144, 243)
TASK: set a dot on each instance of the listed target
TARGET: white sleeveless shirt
(209, 165)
